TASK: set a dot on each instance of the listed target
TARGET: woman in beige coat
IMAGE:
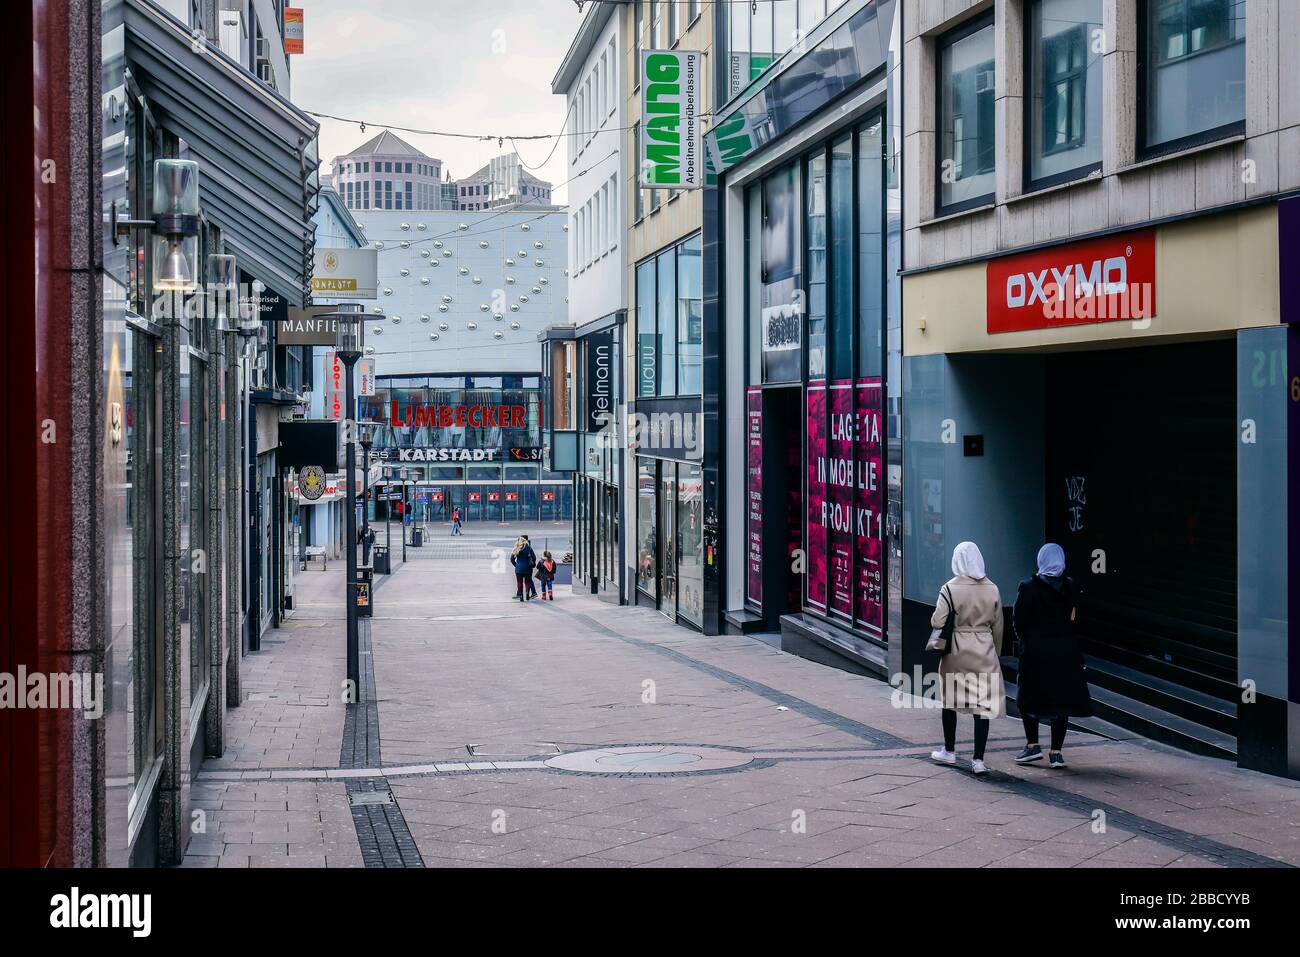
(970, 673)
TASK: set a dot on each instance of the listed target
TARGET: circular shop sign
(311, 482)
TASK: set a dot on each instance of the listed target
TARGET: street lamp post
(366, 436)
(406, 511)
(348, 350)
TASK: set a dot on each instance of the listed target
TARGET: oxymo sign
(1101, 280)
(670, 153)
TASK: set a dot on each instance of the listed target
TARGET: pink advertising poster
(754, 495)
(816, 465)
(844, 461)
(838, 511)
(869, 539)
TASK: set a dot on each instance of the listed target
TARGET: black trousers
(1058, 726)
(950, 733)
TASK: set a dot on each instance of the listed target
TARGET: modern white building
(465, 291)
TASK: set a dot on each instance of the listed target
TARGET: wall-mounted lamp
(223, 291)
(176, 224)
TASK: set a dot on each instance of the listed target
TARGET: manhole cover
(358, 798)
(650, 759)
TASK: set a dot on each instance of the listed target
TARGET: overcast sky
(466, 66)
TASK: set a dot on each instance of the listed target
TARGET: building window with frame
(647, 527)
(1065, 45)
(967, 142)
(690, 319)
(1192, 72)
(646, 331)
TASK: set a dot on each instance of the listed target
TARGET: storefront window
(1195, 70)
(197, 556)
(871, 253)
(841, 243)
(668, 540)
(966, 152)
(647, 525)
(690, 321)
(144, 520)
(815, 223)
(690, 551)
(1064, 89)
(780, 298)
(647, 332)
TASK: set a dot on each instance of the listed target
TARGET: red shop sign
(435, 496)
(548, 496)
(494, 496)
(475, 496)
(1101, 280)
(512, 496)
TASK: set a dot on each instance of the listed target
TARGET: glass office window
(966, 117)
(815, 224)
(1063, 96)
(690, 549)
(690, 322)
(647, 525)
(1195, 70)
(666, 315)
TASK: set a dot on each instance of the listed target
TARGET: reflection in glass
(690, 536)
(966, 119)
(647, 525)
(815, 222)
(690, 320)
(1196, 73)
(1064, 86)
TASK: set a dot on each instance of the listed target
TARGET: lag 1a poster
(844, 465)
(754, 495)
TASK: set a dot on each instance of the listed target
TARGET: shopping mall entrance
(1141, 491)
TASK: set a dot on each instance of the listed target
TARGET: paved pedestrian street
(576, 733)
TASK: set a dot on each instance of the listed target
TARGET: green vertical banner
(671, 151)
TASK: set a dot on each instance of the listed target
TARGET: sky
(465, 66)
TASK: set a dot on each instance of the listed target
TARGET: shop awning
(257, 152)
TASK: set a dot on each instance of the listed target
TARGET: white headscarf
(1051, 561)
(967, 561)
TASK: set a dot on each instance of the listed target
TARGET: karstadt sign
(670, 154)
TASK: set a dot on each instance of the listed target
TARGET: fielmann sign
(670, 154)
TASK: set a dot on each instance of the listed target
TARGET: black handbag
(941, 638)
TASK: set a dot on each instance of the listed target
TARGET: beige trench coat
(971, 674)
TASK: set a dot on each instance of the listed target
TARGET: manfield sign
(671, 154)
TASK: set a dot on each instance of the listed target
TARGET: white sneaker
(943, 756)
(979, 767)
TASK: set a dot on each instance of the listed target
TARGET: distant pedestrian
(546, 575)
(455, 521)
(969, 671)
(1053, 685)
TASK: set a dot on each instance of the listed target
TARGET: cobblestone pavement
(487, 709)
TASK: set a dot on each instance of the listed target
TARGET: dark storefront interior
(1141, 492)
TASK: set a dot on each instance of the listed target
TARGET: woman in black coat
(1053, 684)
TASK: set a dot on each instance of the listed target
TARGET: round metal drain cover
(649, 759)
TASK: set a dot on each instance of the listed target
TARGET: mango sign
(670, 153)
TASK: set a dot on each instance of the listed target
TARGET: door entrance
(1142, 494)
(782, 503)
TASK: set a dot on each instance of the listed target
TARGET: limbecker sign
(669, 154)
(1101, 280)
(462, 416)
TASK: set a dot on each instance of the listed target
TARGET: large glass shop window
(844, 427)
(690, 550)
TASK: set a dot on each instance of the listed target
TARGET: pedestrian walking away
(531, 556)
(1053, 683)
(546, 575)
(970, 606)
(455, 521)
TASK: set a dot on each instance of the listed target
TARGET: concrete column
(217, 484)
(234, 471)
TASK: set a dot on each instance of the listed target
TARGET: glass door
(668, 538)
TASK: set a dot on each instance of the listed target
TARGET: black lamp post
(348, 348)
